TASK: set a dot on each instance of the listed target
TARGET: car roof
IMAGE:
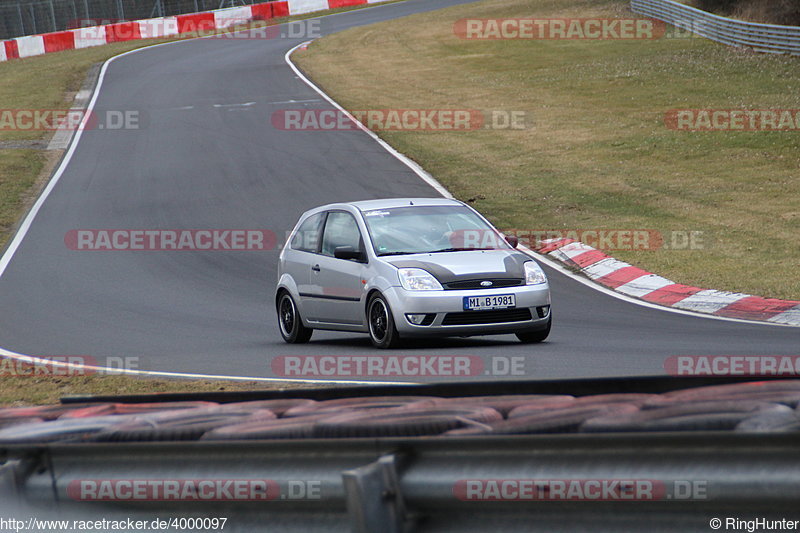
(388, 203)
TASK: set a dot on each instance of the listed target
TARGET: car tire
(382, 330)
(289, 322)
(534, 336)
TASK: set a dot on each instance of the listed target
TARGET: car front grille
(487, 317)
(497, 283)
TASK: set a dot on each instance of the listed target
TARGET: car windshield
(430, 229)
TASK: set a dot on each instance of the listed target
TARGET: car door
(339, 286)
(300, 255)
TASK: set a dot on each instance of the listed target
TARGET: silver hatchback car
(401, 268)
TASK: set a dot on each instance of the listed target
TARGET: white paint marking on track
(709, 301)
(604, 268)
(246, 104)
(573, 249)
(63, 136)
(296, 101)
(644, 285)
(791, 317)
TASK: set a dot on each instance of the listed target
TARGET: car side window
(306, 238)
(341, 229)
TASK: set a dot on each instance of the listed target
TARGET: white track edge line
(157, 373)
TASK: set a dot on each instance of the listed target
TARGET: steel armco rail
(407, 485)
(770, 38)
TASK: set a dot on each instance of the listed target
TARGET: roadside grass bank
(43, 390)
(599, 154)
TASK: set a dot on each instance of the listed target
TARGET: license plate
(497, 301)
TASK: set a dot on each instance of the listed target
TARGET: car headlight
(416, 279)
(534, 275)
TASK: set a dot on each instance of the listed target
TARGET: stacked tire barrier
(610, 462)
(770, 38)
(748, 407)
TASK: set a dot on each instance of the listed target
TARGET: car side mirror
(513, 240)
(348, 252)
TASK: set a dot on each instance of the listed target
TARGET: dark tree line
(770, 11)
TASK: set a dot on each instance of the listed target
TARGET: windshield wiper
(436, 251)
(458, 250)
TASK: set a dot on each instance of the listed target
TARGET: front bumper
(532, 311)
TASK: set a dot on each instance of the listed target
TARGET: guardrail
(770, 38)
(415, 485)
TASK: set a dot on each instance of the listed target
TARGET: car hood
(473, 264)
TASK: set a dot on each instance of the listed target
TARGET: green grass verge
(43, 390)
(599, 155)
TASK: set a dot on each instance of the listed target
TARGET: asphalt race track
(203, 160)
